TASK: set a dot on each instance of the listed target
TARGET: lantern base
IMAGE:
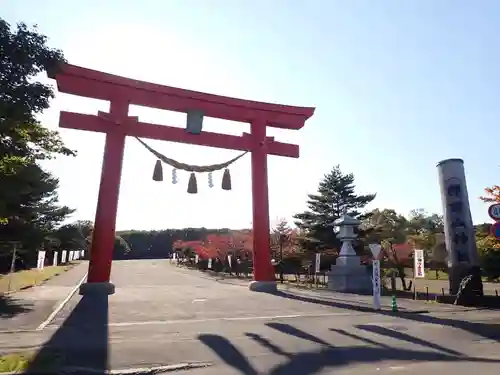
(263, 286)
(97, 289)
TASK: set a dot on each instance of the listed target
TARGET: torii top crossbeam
(72, 79)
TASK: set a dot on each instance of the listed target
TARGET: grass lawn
(15, 362)
(18, 362)
(26, 278)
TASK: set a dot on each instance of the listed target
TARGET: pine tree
(336, 196)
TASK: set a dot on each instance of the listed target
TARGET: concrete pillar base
(263, 286)
(106, 288)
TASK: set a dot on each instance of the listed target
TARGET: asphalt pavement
(165, 315)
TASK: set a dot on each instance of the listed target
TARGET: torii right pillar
(264, 279)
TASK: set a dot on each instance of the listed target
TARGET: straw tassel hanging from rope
(158, 171)
(226, 180)
(192, 185)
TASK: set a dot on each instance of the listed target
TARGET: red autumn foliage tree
(492, 194)
(238, 243)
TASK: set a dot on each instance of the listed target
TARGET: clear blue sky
(398, 86)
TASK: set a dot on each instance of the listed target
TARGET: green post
(394, 304)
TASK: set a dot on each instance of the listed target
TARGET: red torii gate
(121, 92)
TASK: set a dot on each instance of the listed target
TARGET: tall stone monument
(348, 275)
(463, 260)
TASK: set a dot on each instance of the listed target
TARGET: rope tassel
(192, 185)
(210, 180)
(158, 171)
(174, 176)
(226, 180)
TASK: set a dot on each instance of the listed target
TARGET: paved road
(28, 308)
(162, 314)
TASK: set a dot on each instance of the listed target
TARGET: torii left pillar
(103, 235)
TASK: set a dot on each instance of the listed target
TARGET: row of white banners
(418, 260)
(66, 256)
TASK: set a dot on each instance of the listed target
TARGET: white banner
(41, 259)
(376, 284)
(229, 260)
(419, 266)
(317, 263)
(210, 263)
(54, 261)
(196, 258)
(63, 256)
(82, 253)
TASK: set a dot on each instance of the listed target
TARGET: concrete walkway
(27, 309)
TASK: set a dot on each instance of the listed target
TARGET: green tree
(336, 196)
(32, 203)
(29, 208)
(23, 139)
(280, 238)
(74, 236)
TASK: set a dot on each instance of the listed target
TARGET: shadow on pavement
(228, 353)
(489, 331)
(312, 362)
(10, 307)
(80, 342)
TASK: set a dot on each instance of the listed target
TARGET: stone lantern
(348, 275)
(347, 226)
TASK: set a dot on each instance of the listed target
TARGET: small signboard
(375, 249)
(419, 265)
(495, 230)
(494, 211)
(317, 263)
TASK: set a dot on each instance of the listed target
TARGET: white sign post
(41, 259)
(317, 264)
(375, 249)
(63, 256)
(210, 263)
(70, 256)
(196, 258)
(54, 261)
(419, 269)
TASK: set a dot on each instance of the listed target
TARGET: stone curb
(127, 371)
